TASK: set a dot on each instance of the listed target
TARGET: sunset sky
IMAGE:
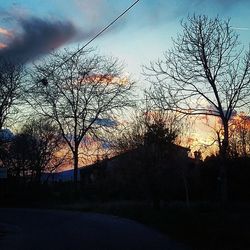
(33, 28)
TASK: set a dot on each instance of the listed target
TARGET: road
(31, 229)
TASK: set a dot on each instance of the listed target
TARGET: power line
(44, 81)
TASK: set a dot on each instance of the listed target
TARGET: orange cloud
(106, 79)
(6, 32)
(2, 45)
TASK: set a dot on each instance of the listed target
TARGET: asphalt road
(31, 229)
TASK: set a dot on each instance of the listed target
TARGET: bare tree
(206, 72)
(80, 92)
(10, 89)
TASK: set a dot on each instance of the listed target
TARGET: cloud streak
(241, 28)
(5, 32)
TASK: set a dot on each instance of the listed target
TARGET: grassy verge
(200, 227)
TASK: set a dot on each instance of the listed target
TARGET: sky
(30, 29)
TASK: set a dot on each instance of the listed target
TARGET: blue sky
(142, 35)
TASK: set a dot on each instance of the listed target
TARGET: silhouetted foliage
(152, 165)
(239, 140)
(147, 127)
(33, 151)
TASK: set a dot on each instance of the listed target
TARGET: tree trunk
(75, 156)
(223, 167)
(225, 141)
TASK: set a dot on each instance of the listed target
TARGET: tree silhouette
(77, 91)
(206, 72)
(10, 88)
(33, 151)
(150, 142)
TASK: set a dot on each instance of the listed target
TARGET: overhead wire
(45, 82)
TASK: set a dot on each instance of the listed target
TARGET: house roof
(123, 155)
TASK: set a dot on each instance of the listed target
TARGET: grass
(202, 227)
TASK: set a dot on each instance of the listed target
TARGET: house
(137, 166)
(141, 173)
(130, 163)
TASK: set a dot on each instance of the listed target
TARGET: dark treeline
(148, 166)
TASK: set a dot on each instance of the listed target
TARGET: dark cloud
(104, 122)
(37, 37)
